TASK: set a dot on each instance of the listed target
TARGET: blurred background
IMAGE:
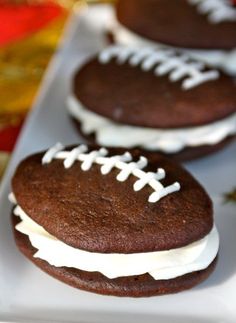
(29, 36)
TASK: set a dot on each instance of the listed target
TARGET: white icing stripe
(223, 59)
(109, 133)
(108, 164)
(123, 162)
(51, 153)
(11, 198)
(163, 62)
(70, 159)
(217, 10)
(160, 264)
(90, 158)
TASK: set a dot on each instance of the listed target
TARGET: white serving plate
(29, 295)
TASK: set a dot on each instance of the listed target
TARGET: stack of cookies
(205, 29)
(118, 215)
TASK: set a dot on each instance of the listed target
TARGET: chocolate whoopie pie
(116, 222)
(156, 99)
(204, 27)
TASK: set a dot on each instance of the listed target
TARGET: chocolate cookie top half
(153, 88)
(98, 213)
(181, 23)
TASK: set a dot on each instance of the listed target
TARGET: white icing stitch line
(163, 62)
(124, 163)
(217, 10)
(12, 198)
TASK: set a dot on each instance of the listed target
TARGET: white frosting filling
(109, 133)
(160, 264)
(223, 59)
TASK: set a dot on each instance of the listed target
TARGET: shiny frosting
(159, 264)
(217, 58)
(109, 133)
(161, 62)
(123, 162)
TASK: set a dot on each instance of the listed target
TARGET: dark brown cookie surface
(129, 95)
(96, 212)
(134, 286)
(170, 22)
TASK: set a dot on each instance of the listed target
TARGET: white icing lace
(163, 62)
(12, 198)
(217, 10)
(124, 163)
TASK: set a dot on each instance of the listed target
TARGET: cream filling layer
(160, 264)
(223, 59)
(109, 133)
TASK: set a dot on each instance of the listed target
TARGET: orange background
(29, 34)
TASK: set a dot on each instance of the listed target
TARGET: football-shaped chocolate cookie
(200, 24)
(112, 221)
(205, 26)
(155, 99)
